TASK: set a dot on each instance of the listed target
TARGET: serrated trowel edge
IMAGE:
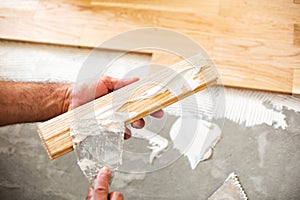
(234, 180)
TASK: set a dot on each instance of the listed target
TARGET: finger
(115, 83)
(124, 82)
(138, 124)
(127, 134)
(116, 196)
(158, 114)
(90, 194)
(101, 185)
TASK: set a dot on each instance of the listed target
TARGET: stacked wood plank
(254, 43)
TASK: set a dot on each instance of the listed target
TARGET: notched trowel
(230, 190)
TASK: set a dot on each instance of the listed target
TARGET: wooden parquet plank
(238, 34)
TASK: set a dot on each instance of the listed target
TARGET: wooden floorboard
(242, 36)
(297, 34)
(296, 84)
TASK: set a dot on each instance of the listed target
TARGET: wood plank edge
(66, 134)
(80, 46)
(44, 143)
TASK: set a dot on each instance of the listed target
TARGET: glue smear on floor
(244, 107)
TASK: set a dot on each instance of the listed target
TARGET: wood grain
(87, 21)
(279, 11)
(268, 63)
(55, 133)
(297, 34)
(193, 6)
(296, 81)
(247, 35)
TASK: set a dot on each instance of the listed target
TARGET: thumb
(90, 194)
(101, 184)
(124, 82)
(115, 83)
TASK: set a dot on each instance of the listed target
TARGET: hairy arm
(30, 102)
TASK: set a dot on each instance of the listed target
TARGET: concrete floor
(266, 160)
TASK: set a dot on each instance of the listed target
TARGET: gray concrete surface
(266, 160)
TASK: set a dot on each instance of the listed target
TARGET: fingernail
(90, 192)
(105, 170)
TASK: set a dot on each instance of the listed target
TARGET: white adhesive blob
(157, 143)
(245, 107)
(195, 138)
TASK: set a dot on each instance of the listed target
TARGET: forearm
(30, 102)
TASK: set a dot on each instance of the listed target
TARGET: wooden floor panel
(259, 53)
(263, 10)
(191, 6)
(296, 83)
(297, 34)
(242, 36)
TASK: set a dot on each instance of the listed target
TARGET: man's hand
(101, 191)
(83, 93)
(31, 102)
